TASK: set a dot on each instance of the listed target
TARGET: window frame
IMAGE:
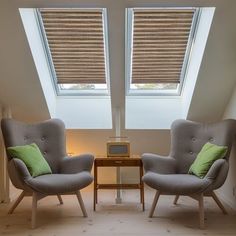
(129, 19)
(76, 92)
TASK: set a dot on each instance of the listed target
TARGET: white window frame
(77, 92)
(129, 47)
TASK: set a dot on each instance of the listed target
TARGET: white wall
(228, 191)
(216, 77)
(35, 42)
(197, 52)
(85, 112)
(152, 113)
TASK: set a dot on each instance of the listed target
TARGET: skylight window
(158, 46)
(76, 44)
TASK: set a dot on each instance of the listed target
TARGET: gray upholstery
(170, 174)
(60, 183)
(176, 183)
(69, 174)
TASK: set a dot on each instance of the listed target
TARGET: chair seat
(60, 183)
(176, 183)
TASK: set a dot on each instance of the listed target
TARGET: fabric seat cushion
(176, 183)
(60, 183)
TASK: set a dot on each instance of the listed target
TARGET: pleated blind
(160, 38)
(76, 42)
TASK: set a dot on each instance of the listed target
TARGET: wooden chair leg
(16, 203)
(176, 199)
(78, 194)
(218, 202)
(60, 199)
(201, 212)
(34, 210)
(157, 195)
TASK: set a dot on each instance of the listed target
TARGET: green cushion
(32, 157)
(206, 157)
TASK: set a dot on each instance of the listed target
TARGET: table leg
(95, 197)
(141, 187)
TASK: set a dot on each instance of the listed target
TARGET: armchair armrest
(18, 173)
(159, 164)
(215, 169)
(76, 164)
(20, 167)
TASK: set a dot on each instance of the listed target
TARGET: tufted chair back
(187, 139)
(48, 135)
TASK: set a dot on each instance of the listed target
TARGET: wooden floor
(125, 219)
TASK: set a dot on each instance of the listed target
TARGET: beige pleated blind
(76, 42)
(160, 38)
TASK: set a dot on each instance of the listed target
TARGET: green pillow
(206, 157)
(32, 157)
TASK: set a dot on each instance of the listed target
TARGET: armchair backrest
(187, 139)
(48, 135)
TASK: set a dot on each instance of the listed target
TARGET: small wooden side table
(118, 162)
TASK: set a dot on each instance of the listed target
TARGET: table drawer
(114, 162)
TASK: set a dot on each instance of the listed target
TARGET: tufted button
(42, 139)
(211, 139)
(190, 152)
(193, 139)
(25, 137)
(45, 152)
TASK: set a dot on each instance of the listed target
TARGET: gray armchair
(169, 175)
(69, 174)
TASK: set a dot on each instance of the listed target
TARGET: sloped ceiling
(21, 90)
(217, 76)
